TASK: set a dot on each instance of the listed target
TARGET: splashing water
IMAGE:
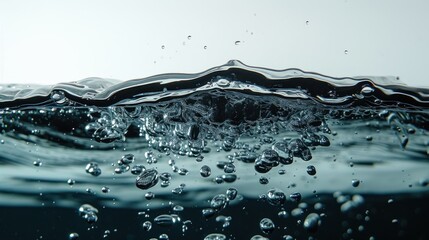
(289, 153)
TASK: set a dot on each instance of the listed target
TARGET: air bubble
(311, 170)
(219, 202)
(73, 236)
(147, 179)
(149, 195)
(147, 226)
(37, 163)
(267, 226)
(312, 222)
(93, 169)
(276, 197)
(355, 182)
(296, 197)
(215, 236)
(105, 189)
(89, 213)
(205, 171)
(231, 193)
(167, 220)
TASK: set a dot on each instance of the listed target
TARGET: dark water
(235, 152)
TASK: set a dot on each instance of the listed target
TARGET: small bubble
(147, 179)
(162, 47)
(205, 171)
(311, 170)
(267, 226)
(37, 163)
(312, 222)
(71, 182)
(368, 138)
(105, 189)
(282, 171)
(163, 237)
(296, 196)
(189, 37)
(355, 182)
(346, 51)
(93, 169)
(263, 180)
(276, 197)
(307, 22)
(73, 236)
(147, 226)
(205, 47)
(149, 195)
(237, 42)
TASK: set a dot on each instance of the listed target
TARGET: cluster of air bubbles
(89, 213)
(93, 169)
(219, 202)
(124, 165)
(224, 220)
(112, 125)
(178, 190)
(275, 197)
(348, 202)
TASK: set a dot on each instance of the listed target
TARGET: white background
(45, 42)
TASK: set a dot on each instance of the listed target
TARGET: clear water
(235, 152)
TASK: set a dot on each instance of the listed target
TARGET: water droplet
(312, 222)
(147, 179)
(105, 189)
(147, 226)
(73, 236)
(93, 169)
(167, 220)
(296, 196)
(215, 236)
(276, 197)
(355, 182)
(311, 170)
(267, 226)
(205, 171)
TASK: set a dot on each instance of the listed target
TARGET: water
(235, 152)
